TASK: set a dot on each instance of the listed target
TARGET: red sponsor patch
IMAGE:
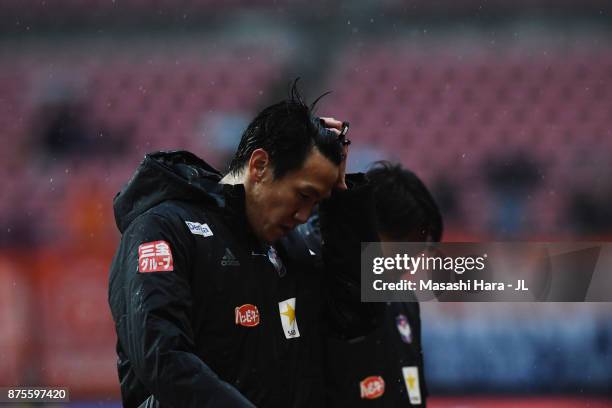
(247, 315)
(155, 257)
(372, 387)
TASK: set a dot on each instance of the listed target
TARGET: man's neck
(234, 179)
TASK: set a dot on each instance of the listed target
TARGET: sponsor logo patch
(411, 379)
(247, 315)
(155, 256)
(287, 315)
(403, 327)
(229, 259)
(372, 387)
(199, 229)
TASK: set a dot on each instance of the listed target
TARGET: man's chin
(276, 233)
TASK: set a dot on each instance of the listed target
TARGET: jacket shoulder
(176, 212)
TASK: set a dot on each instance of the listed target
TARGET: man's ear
(259, 165)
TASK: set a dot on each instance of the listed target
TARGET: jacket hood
(175, 175)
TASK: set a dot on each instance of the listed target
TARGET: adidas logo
(229, 259)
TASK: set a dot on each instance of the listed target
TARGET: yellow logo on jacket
(411, 379)
(286, 309)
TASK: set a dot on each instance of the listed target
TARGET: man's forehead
(318, 174)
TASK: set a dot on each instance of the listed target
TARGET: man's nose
(302, 214)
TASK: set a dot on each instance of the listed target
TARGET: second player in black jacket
(385, 367)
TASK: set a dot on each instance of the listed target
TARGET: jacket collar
(236, 216)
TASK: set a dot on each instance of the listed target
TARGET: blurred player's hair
(287, 131)
(404, 206)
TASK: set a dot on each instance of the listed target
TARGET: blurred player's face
(276, 206)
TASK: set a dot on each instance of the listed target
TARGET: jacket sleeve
(155, 257)
(347, 219)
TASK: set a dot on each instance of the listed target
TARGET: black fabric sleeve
(347, 219)
(156, 330)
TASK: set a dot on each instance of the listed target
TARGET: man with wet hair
(217, 300)
(287, 161)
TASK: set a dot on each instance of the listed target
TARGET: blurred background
(504, 108)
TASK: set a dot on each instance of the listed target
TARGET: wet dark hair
(404, 206)
(287, 131)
